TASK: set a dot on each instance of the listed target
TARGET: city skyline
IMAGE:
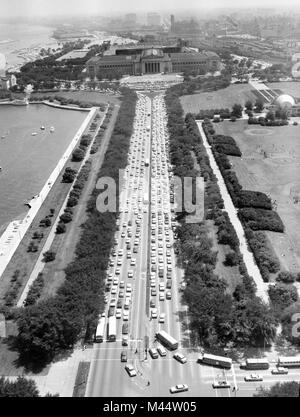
(28, 8)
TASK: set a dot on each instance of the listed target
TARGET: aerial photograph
(149, 201)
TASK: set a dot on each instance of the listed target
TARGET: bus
(100, 330)
(112, 329)
(214, 360)
(289, 361)
(167, 340)
(255, 363)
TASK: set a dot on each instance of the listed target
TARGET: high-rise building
(130, 19)
(172, 23)
(153, 19)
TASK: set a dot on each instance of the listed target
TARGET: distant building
(287, 103)
(150, 60)
(153, 19)
(172, 23)
(130, 19)
(7, 81)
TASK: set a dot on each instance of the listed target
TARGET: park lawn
(225, 98)
(84, 96)
(270, 163)
(287, 87)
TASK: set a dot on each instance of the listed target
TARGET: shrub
(77, 155)
(61, 228)
(66, 218)
(69, 175)
(72, 202)
(49, 256)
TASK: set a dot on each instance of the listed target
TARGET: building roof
(113, 59)
(152, 52)
(285, 100)
(193, 56)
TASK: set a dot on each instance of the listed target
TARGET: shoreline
(16, 230)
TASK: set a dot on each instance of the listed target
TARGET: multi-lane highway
(143, 269)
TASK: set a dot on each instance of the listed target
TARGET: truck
(146, 198)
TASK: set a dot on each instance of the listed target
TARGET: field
(287, 87)
(226, 98)
(271, 163)
(84, 96)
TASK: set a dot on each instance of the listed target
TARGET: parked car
(123, 356)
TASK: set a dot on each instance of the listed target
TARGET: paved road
(108, 377)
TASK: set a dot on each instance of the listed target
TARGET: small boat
(52, 129)
(42, 127)
(0, 169)
(3, 137)
(33, 134)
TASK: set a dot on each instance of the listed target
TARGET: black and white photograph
(149, 202)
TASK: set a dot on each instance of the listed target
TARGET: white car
(253, 377)
(221, 384)
(162, 317)
(180, 358)
(280, 371)
(161, 296)
(161, 350)
(133, 262)
(114, 290)
(179, 388)
(125, 315)
(154, 313)
(118, 271)
(130, 370)
(130, 274)
(119, 313)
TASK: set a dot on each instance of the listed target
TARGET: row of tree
(56, 324)
(217, 318)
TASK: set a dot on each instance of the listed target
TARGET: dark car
(119, 304)
(125, 328)
(123, 356)
(111, 311)
(169, 284)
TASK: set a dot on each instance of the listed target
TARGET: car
(130, 274)
(123, 234)
(161, 286)
(119, 262)
(125, 315)
(116, 281)
(133, 262)
(114, 290)
(153, 292)
(161, 350)
(153, 353)
(118, 313)
(152, 303)
(180, 357)
(128, 255)
(111, 311)
(179, 388)
(123, 356)
(152, 283)
(113, 302)
(162, 317)
(280, 371)
(122, 284)
(154, 313)
(161, 296)
(253, 377)
(168, 295)
(119, 304)
(169, 284)
(130, 370)
(118, 271)
(221, 384)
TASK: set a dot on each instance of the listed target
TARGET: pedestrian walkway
(252, 269)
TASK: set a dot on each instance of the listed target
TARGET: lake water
(26, 160)
(15, 38)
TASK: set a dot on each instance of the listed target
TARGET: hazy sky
(70, 7)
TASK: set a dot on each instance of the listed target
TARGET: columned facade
(151, 67)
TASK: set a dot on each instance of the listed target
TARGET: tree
(66, 218)
(270, 115)
(69, 175)
(249, 105)
(49, 256)
(237, 110)
(231, 259)
(61, 228)
(259, 105)
(22, 387)
(284, 389)
(283, 295)
(77, 155)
